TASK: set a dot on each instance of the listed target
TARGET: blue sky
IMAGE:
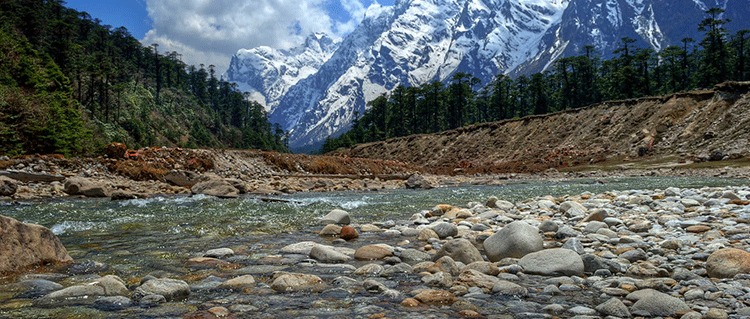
(210, 31)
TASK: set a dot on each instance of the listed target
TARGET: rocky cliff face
(418, 41)
(699, 125)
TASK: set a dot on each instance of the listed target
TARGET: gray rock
(460, 250)
(413, 256)
(171, 289)
(593, 227)
(36, 288)
(85, 187)
(239, 283)
(575, 245)
(634, 255)
(548, 226)
(295, 282)
(439, 279)
(336, 216)
(327, 254)
(592, 263)
(444, 230)
(219, 253)
(149, 301)
(614, 307)
(182, 178)
(573, 209)
(515, 240)
(418, 181)
(551, 262)
(656, 303)
(82, 294)
(505, 287)
(582, 311)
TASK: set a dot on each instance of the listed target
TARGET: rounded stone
(348, 233)
(444, 230)
(728, 262)
(515, 240)
(336, 216)
(460, 250)
(373, 252)
(551, 262)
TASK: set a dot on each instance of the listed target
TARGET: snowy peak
(268, 73)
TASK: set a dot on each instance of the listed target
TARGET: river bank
(624, 253)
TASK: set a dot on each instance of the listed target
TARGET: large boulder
(460, 250)
(728, 262)
(515, 240)
(86, 187)
(649, 302)
(336, 216)
(553, 262)
(215, 187)
(25, 245)
(8, 186)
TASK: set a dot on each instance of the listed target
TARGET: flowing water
(140, 237)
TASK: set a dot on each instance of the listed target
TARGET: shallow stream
(135, 238)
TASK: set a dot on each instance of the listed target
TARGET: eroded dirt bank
(694, 126)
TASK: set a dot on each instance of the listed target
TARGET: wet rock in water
(336, 216)
(113, 303)
(728, 262)
(295, 282)
(473, 278)
(8, 186)
(418, 181)
(26, 245)
(239, 283)
(435, 297)
(301, 248)
(573, 209)
(215, 187)
(426, 234)
(460, 250)
(444, 230)
(126, 195)
(149, 301)
(86, 187)
(327, 254)
(36, 288)
(171, 289)
(439, 279)
(373, 252)
(369, 270)
(614, 307)
(551, 262)
(82, 294)
(515, 240)
(348, 233)
(219, 253)
(650, 302)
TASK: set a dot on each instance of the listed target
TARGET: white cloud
(211, 31)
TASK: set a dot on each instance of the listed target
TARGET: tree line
(70, 84)
(571, 82)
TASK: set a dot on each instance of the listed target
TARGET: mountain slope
(698, 125)
(418, 41)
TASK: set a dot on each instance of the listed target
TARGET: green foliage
(571, 82)
(70, 84)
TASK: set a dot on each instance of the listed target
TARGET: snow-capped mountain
(418, 41)
(267, 73)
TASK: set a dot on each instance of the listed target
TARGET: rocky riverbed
(680, 253)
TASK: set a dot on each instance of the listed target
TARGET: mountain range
(315, 91)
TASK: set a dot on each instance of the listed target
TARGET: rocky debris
(552, 262)
(170, 289)
(215, 187)
(417, 181)
(32, 177)
(728, 262)
(86, 187)
(295, 282)
(8, 186)
(515, 240)
(336, 216)
(27, 245)
(115, 150)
